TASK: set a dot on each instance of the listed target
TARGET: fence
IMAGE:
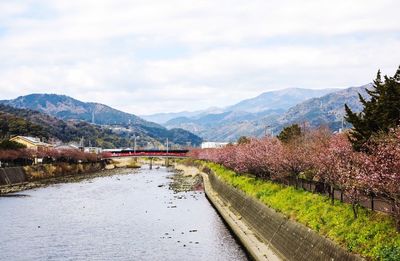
(371, 201)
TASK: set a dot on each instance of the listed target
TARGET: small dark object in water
(14, 195)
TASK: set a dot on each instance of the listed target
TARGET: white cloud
(153, 56)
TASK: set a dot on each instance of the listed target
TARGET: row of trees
(320, 156)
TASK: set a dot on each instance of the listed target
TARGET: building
(213, 144)
(31, 142)
(66, 147)
(95, 150)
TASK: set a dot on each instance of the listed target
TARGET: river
(134, 216)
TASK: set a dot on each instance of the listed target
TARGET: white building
(95, 150)
(213, 144)
(66, 147)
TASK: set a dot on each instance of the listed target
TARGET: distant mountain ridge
(271, 100)
(162, 118)
(280, 99)
(67, 108)
(326, 110)
(322, 109)
(268, 113)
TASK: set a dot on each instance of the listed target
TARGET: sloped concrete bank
(269, 235)
(12, 175)
(256, 248)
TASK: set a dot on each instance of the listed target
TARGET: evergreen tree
(243, 140)
(289, 133)
(381, 112)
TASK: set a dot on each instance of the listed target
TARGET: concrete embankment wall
(288, 239)
(9, 176)
(12, 175)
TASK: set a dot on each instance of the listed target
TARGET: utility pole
(167, 159)
(134, 144)
(81, 142)
(266, 130)
(342, 123)
(93, 116)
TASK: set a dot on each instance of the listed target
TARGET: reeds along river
(128, 216)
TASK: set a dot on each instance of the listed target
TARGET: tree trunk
(355, 212)
(332, 195)
(398, 224)
(396, 213)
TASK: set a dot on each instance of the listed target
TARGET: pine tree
(290, 133)
(380, 113)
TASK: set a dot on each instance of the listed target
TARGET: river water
(133, 216)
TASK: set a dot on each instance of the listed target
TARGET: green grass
(372, 235)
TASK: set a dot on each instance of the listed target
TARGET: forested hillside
(27, 122)
(81, 113)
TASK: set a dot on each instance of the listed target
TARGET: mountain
(70, 109)
(280, 99)
(325, 109)
(67, 108)
(250, 117)
(226, 126)
(272, 100)
(33, 123)
(162, 118)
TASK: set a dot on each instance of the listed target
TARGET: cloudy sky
(160, 56)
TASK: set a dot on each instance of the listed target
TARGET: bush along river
(131, 215)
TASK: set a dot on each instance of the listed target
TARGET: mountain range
(270, 112)
(124, 124)
(272, 100)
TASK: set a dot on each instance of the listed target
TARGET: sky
(153, 56)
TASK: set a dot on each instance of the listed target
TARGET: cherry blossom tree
(384, 169)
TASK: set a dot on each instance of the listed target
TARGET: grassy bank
(372, 235)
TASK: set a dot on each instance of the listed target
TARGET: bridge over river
(180, 153)
(167, 154)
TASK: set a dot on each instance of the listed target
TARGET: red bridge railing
(146, 153)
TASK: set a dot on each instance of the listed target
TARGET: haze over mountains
(270, 112)
(272, 100)
(124, 124)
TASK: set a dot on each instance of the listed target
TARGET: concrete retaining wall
(9, 176)
(13, 175)
(288, 239)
